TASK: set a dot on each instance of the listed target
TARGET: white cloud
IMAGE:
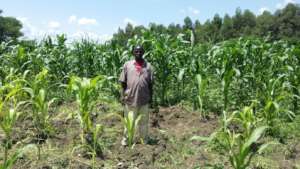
(87, 21)
(90, 35)
(22, 19)
(105, 37)
(54, 25)
(131, 21)
(51, 28)
(28, 29)
(190, 11)
(82, 21)
(284, 3)
(194, 11)
(72, 19)
(34, 32)
(261, 10)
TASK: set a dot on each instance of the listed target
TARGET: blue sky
(99, 19)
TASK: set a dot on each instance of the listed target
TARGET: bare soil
(170, 147)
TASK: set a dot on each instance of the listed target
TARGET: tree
(199, 33)
(158, 28)
(10, 28)
(207, 31)
(188, 23)
(173, 29)
(264, 25)
(211, 29)
(227, 28)
(282, 24)
(288, 22)
(216, 25)
(237, 22)
(249, 22)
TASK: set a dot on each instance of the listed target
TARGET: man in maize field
(137, 81)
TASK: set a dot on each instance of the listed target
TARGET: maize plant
(226, 57)
(201, 86)
(11, 160)
(9, 114)
(273, 107)
(93, 144)
(85, 91)
(130, 123)
(239, 142)
(96, 144)
(238, 68)
(293, 73)
(38, 92)
(246, 119)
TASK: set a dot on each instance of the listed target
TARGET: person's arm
(151, 102)
(123, 81)
(151, 95)
(122, 92)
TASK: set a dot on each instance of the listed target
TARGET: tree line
(10, 28)
(282, 24)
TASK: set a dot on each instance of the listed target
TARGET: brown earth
(170, 146)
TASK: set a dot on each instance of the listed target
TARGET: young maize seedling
(8, 164)
(38, 92)
(85, 90)
(94, 144)
(130, 123)
(238, 144)
(201, 86)
(8, 114)
(273, 103)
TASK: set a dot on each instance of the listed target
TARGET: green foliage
(10, 28)
(238, 137)
(130, 123)
(202, 85)
(192, 63)
(8, 164)
(212, 77)
(85, 90)
(240, 70)
(9, 114)
(37, 89)
(282, 24)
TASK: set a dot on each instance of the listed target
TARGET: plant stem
(5, 153)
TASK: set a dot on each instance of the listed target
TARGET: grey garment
(137, 92)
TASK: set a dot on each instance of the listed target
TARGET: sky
(99, 19)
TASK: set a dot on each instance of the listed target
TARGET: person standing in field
(137, 89)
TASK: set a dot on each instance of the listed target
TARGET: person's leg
(144, 122)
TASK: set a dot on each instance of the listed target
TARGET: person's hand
(153, 107)
(122, 100)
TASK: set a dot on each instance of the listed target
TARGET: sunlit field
(218, 102)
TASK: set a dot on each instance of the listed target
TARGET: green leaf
(255, 135)
(180, 74)
(200, 138)
(266, 145)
